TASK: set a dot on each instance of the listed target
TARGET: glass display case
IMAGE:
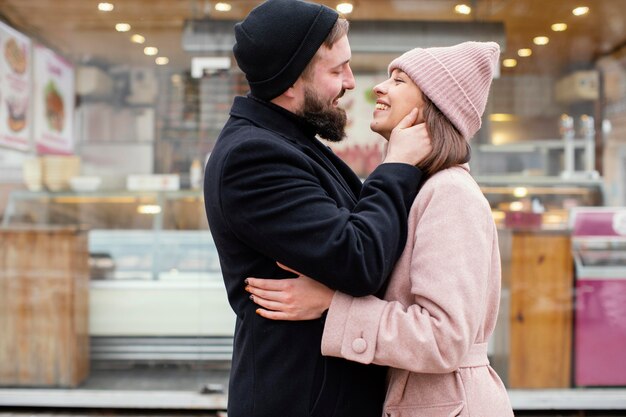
(537, 202)
(107, 210)
(153, 264)
(532, 344)
(153, 251)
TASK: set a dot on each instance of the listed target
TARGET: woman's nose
(379, 89)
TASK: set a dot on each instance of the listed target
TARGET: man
(274, 192)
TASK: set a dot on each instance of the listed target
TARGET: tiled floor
(157, 378)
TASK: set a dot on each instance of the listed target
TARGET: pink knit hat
(455, 78)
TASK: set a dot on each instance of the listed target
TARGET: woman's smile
(381, 105)
(395, 98)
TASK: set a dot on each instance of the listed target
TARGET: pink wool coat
(439, 309)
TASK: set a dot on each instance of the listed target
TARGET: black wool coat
(273, 192)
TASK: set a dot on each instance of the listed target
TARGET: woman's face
(395, 98)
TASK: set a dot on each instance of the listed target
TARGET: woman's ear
(420, 115)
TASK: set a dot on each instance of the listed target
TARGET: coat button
(359, 345)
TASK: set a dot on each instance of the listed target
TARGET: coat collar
(274, 118)
(295, 129)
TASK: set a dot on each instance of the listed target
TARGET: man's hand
(408, 144)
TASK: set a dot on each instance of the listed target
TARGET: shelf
(174, 194)
(116, 143)
(182, 128)
(530, 146)
(569, 399)
(82, 398)
(531, 180)
(565, 399)
(214, 283)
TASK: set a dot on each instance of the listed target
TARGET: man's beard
(329, 122)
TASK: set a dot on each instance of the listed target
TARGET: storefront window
(109, 276)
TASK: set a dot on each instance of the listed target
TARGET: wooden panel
(44, 284)
(541, 311)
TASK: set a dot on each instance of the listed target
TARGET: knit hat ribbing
(277, 40)
(455, 78)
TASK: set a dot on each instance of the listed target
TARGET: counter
(541, 309)
(44, 288)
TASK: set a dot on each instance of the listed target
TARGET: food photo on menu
(16, 116)
(15, 55)
(15, 89)
(54, 107)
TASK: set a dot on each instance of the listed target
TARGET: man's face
(330, 77)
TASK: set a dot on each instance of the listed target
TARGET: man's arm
(274, 203)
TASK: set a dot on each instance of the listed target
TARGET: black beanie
(277, 40)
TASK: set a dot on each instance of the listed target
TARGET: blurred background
(110, 289)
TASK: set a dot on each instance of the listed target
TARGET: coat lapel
(272, 117)
(331, 168)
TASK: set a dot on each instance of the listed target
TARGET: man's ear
(292, 98)
(293, 91)
(290, 92)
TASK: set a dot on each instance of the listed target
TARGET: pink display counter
(599, 246)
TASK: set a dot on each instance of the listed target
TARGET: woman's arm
(300, 298)
(449, 272)
(451, 279)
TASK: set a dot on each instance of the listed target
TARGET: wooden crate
(44, 293)
(541, 310)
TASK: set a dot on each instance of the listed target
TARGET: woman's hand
(293, 299)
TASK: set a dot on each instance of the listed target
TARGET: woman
(440, 306)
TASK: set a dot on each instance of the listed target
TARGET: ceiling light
(502, 117)
(105, 7)
(509, 63)
(150, 50)
(136, 38)
(579, 11)
(148, 209)
(345, 8)
(520, 192)
(162, 60)
(462, 9)
(223, 7)
(498, 215)
(541, 40)
(524, 52)
(559, 27)
(122, 27)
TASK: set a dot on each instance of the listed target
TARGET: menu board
(53, 96)
(15, 89)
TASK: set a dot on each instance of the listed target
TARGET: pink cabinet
(599, 245)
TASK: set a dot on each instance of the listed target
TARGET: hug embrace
(354, 299)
